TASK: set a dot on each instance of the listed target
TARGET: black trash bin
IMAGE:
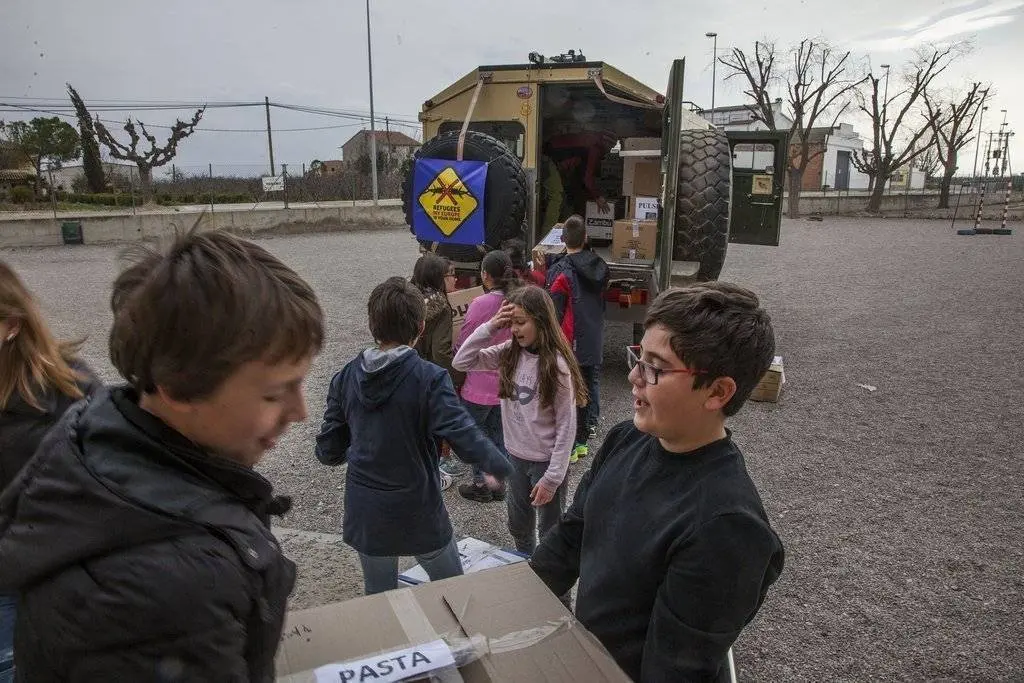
(71, 232)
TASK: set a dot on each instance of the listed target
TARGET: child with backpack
(434, 276)
(387, 412)
(540, 386)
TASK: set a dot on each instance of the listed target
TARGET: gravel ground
(900, 508)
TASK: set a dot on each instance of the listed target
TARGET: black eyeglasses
(650, 373)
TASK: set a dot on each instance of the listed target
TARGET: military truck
(716, 188)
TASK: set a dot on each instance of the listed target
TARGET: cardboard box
(641, 177)
(641, 144)
(551, 245)
(643, 208)
(770, 387)
(599, 223)
(635, 240)
(475, 555)
(505, 620)
(460, 301)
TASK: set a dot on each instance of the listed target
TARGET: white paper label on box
(636, 229)
(388, 667)
(632, 253)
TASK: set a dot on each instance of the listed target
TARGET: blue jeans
(488, 419)
(380, 573)
(7, 616)
(586, 417)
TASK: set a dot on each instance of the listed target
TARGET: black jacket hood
(591, 269)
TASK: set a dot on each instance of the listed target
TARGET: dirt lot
(900, 508)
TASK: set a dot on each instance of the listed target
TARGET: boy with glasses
(667, 534)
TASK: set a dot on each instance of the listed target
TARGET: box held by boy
(635, 240)
(460, 301)
(770, 387)
(551, 245)
(499, 625)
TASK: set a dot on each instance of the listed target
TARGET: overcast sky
(313, 52)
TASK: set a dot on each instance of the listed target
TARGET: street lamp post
(977, 147)
(885, 97)
(373, 125)
(714, 66)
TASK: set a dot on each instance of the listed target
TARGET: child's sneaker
(454, 467)
(580, 451)
(478, 493)
(446, 481)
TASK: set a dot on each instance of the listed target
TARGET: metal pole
(885, 97)
(284, 183)
(988, 154)
(977, 147)
(373, 124)
(211, 187)
(270, 137)
(714, 66)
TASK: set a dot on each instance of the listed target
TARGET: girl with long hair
(40, 378)
(540, 386)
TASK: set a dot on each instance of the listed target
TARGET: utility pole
(988, 154)
(714, 66)
(373, 125)
(977, 147)
(270, 139)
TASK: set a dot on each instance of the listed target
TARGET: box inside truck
(580, 135)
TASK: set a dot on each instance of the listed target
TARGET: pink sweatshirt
(481, 386)
(531, 432)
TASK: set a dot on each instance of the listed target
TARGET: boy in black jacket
(577, 282)
(387, 411)
(667, 535)
(138, 537)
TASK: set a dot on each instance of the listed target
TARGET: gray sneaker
(454, 467)
(446, 481)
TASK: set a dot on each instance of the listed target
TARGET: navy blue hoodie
(585, 275)
(386, 412)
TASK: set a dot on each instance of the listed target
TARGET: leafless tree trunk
(818, 86)
(953, 127)
(155, 156)
(896, 141)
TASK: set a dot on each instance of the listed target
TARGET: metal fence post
(284, 183)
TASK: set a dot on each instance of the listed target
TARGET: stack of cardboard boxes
(635, 237)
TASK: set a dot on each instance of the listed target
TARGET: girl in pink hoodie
(540, 386)
(480, 390)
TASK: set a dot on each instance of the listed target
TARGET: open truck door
(758, 179)
(693, 225)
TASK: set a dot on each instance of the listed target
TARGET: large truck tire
(703, 197)
(504, 198)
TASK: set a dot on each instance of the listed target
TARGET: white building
(67, 176)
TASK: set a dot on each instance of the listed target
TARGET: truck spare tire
(703, 196)
(504, 197)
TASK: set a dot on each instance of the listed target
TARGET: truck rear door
(758, 173)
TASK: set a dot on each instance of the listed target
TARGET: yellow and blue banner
(448, 201)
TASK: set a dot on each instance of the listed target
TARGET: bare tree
(761, 78)
(898, 134)
(156, 155)
(819, 85)
(952, 119)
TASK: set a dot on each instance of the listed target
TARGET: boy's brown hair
(187, 319)
(720, 329)
(396, 311)
(574, 232)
